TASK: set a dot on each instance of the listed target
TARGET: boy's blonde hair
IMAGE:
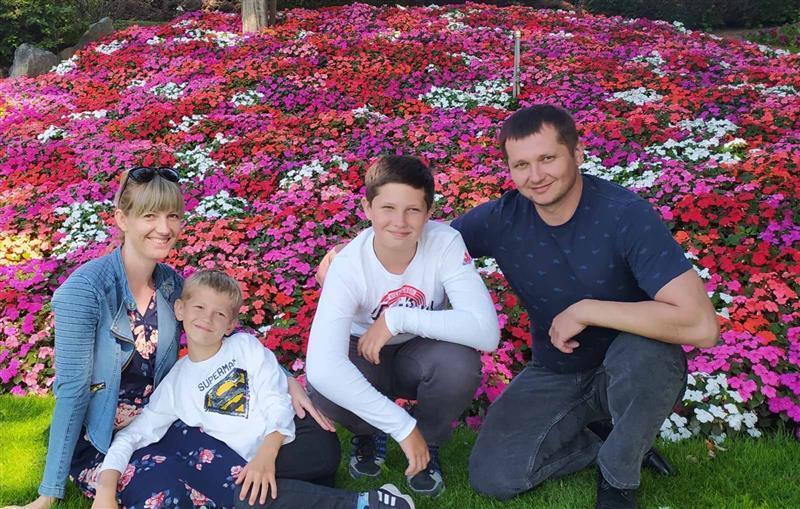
(139, 198)
(218, 281)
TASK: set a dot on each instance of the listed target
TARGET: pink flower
(155, 501)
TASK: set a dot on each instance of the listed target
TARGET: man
(611, 298)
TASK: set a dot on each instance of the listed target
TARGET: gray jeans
(537, 429)
(441, 376)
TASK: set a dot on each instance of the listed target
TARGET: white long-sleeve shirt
(238, 396)
(358, 288)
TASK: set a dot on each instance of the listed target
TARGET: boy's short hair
(528, 121)
(218, 281)
(399, 170)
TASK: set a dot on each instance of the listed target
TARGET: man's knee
(490, 479)
(649, 359)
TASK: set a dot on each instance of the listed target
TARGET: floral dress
(186, 468)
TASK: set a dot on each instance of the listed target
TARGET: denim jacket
(93, 345)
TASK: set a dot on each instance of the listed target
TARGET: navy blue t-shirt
(614, 248)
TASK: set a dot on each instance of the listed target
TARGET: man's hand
(325, 264)
(416, 450)
(302, 404)
(374, 339)
(566, 325)
(258, 476)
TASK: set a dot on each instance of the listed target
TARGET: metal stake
(516, 63)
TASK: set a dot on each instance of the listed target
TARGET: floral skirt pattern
(186, 468)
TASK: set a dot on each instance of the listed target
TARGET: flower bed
(272, 133)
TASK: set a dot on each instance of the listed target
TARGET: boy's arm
(472, 321)
(148, 427)
(106, 491)
(270, 391)
(258, 476)
(329, 368)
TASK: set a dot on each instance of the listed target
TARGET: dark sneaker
(389, 497)
(428, 482)
(609, 497)
(367, 455)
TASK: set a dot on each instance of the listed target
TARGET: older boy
(383, 329)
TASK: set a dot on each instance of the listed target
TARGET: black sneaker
(389, 497)
(609, 497)
(367, 455)
(428, 482)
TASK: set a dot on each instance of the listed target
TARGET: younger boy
(402, 314)
(231, 388)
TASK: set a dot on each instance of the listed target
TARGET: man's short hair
(528, 121)
(218, 281)
(399, 170)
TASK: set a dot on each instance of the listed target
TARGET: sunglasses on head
(144, 174)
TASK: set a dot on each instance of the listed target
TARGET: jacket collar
(162, 279)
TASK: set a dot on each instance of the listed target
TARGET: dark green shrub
(49, 25)
(704, 13)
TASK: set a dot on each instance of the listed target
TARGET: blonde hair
(218, 281)
(139, 198)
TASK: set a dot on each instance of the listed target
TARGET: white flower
(693, 396)
(247, 98)
(221, 204)
(717, 411)
(111, 47)
(82, 226)
(197, 161)
(155, 40)
(88, 114)
(309, 170)
(51, 133)
(638, 96)
(735, 421)
(66, 66)
(703, 415)
(484, 93)
(487, 266)
(187, 123)
(169, 90)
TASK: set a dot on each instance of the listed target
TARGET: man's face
(544, 170)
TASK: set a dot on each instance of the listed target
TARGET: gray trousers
(537, 429)
(441, 376)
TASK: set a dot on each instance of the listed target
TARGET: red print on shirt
(406, 296)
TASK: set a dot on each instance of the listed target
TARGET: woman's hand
(302, 404)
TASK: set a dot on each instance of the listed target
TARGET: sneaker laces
(363, 447)
(433, 464)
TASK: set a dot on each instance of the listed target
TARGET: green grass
(749, 474)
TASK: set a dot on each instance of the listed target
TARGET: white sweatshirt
(237, 396)
(358, 288)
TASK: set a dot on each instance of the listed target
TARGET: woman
(117, 337)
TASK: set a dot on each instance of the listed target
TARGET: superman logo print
(231, 396)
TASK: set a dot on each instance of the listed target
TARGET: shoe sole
(429, 494)
(355, 474)
(394, 490)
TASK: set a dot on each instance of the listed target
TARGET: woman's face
(150, 235)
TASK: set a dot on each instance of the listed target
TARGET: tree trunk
(254, 15)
